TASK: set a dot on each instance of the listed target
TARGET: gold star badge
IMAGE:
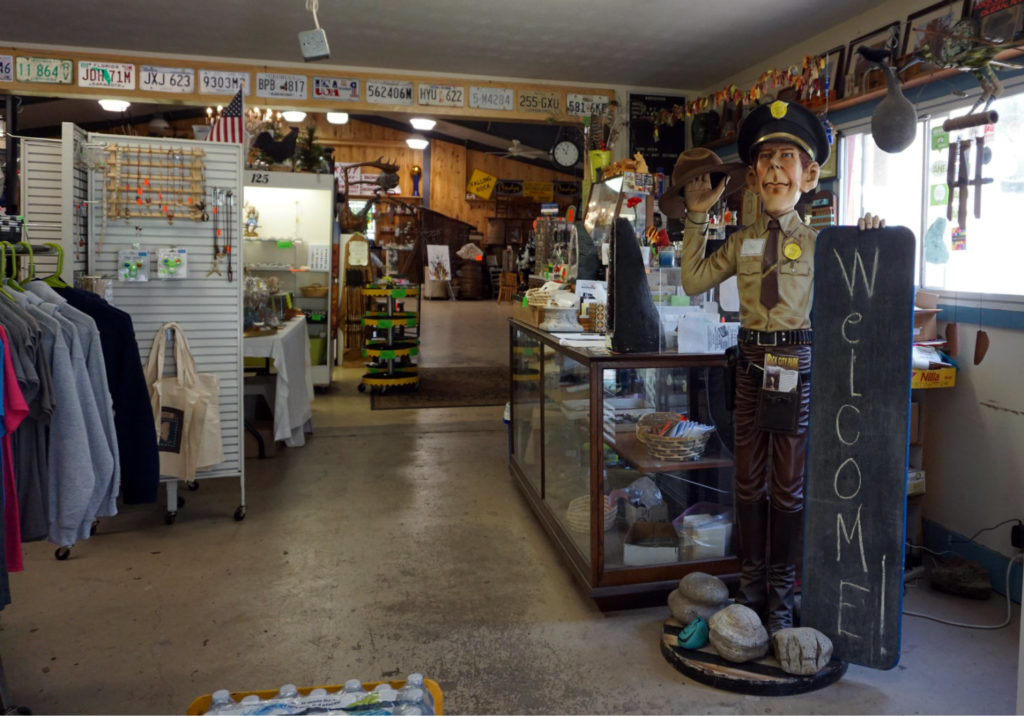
(779, 109)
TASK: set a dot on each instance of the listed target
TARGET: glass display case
(289, 219)
(628, 519)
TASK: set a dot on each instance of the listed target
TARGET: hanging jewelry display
(174, 175)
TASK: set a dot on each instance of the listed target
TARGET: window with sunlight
(916, 189)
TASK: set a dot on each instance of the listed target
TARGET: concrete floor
(393, 542)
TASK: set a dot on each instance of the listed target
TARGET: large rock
(704, 589)
(802, 651)
(685, 610)
(737, 634)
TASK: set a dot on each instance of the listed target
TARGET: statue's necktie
(770, 267)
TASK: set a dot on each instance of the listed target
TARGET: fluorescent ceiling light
(337, 117)
(417, 141)
(115, 105)
(422, 123)
(293, 116)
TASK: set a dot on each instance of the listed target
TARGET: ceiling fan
(519, 150)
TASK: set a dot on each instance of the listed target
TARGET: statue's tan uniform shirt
(742, 256)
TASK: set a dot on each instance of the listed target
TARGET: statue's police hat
(783, 122)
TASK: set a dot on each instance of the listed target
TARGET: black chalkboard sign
(857, 457)
(662, 148)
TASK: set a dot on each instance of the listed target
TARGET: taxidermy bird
(279, 150)
(963, 48)
(894, 121)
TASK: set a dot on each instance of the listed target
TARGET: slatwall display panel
(208, 308)
(76, 204)
(41, 197)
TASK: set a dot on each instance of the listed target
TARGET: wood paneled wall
(451, 165)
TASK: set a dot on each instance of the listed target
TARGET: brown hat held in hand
(691, 164)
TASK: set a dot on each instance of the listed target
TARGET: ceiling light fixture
(337, 117)
(422, 123)
(293, 115)
(417, 141)
(115, 105)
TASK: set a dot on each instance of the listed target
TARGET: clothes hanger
(55, 280)
(3, 263)
(31, 260)
(12, 280)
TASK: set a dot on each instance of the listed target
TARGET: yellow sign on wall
(539, 190)
(481, 184)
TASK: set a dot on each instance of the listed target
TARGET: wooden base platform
(762, 677)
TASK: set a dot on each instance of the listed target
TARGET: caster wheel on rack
(361, 388)
(240, 513)
(62, 553)
(95, 526)
(192, 485)
(170, 517)
(181, 502)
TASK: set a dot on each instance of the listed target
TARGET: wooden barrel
(472, 282)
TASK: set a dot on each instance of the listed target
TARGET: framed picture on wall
(830, 169)
(997, 20)
(833, 73)
(858, 69)
(930, 27)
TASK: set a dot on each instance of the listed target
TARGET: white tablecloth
(293, 401)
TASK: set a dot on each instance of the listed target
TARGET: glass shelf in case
(628, 523)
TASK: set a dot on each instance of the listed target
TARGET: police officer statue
(783, 145)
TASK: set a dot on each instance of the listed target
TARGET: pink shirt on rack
(15, 410)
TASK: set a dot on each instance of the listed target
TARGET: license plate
(584, 105)
(279, 86)
(501, 98)
(388, 92)
(49, 70)
(166, 79)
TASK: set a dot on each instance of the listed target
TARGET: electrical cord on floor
(985, 529)
(911, 545)
(1009, 605)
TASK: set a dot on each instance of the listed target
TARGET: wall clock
(566, 153)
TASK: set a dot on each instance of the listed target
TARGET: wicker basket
(662, 447)
(577, 516)
(313, 290)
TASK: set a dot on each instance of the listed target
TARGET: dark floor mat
(448, 387)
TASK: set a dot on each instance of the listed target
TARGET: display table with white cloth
(293, 388)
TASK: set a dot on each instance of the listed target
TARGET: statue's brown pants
(769, 493)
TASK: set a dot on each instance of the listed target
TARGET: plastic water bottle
(222, 703)
(415, 679)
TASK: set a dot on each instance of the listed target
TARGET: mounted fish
(894, 121)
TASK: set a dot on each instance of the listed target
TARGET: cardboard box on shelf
(531, 315)
(650, 543)
(938, 378)
(926, 310)
(915, 423)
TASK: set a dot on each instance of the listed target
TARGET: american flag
(229, 127)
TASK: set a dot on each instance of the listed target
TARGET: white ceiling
(671, 44)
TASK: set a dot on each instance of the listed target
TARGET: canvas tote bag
(186, 407)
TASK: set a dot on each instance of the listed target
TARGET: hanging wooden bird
(964, 48)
